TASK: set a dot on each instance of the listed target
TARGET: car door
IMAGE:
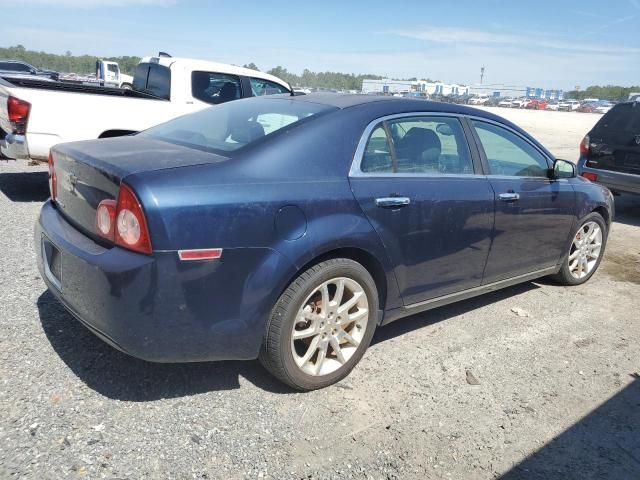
(534, 213)
(416, 180)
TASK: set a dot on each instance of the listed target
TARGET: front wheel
(585, 252)
(321, 325)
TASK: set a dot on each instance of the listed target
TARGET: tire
(319, 325)
(126, 86)
(565, 275)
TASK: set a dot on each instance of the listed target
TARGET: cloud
(88, 4)
(449, 35)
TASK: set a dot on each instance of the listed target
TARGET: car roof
(343, 101)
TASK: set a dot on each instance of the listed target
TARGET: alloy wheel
(329, 326)
(585, 250)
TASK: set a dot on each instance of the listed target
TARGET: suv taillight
(53, 179)
(18, 113)
(123, 222)
(584, 145)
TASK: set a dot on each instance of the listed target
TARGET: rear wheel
(585, 253)
(321, 325)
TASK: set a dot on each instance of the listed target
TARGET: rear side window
(233, 125)
(215, 88)
(621, 118)
(153, 79)
(265, 87)
(418, 145)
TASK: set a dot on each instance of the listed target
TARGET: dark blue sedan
(289, 228)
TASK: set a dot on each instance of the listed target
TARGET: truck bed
(75, 88)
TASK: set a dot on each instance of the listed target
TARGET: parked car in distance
(569, 105)
(12, 68)
(587, 107)
(553, 105)
(537, 104)
(603, 106)
(478, 100)
(520, 102)
(235, 232)
(610, 152)
(492, 101)
(35, 115)
(506, 102)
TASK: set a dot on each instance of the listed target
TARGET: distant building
(389, 86)
(502, 90)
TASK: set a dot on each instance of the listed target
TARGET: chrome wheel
(585, 250)
(329, 326)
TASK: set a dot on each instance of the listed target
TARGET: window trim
(483, 155)
(356, 172)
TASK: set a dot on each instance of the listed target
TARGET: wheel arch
(604, 213)
(357, 254)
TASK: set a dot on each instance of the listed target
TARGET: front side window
(234, 125)
(509, 154)
(112, 68)
(14, 67)
(418, 145)
(261, 87)
(215, 88)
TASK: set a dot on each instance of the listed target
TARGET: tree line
(605, 92)
(84, 64)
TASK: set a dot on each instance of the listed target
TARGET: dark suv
(610, 153)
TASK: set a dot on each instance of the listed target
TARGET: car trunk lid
(614, 143)
(89, 172)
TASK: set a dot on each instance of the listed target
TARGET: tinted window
(14, 67)
(621, 118)
(153, 79)
(420, 145)
(215, 88)
(508, 153)
(233, 125)
(265, 87)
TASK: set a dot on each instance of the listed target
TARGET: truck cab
(202, 83)
(109, 74)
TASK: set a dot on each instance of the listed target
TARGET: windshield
(230, 126)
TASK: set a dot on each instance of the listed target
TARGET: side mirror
(563, 169)
(444, 129)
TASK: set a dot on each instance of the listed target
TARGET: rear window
(233, 125)
(621, 118)
(153, 79)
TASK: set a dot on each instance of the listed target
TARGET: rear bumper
(614, 181)
(158, 308)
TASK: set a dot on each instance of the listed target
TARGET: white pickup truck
(35, 114)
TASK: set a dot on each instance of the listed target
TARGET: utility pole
(481, 74)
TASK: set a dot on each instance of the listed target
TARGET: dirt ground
(557, 372)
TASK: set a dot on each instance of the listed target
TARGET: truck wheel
(585, 253)
(126, 86)
(321, 325)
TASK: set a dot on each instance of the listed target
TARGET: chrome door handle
(509, 197)
(392, 202)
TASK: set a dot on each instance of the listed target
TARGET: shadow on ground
(604, 444)
(25, 186)
(119, 376)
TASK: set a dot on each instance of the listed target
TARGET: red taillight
(123, 222)
(590, 176)
(53, 179)
(18, 113)
(584, 145)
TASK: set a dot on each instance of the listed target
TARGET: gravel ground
(536, 381)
